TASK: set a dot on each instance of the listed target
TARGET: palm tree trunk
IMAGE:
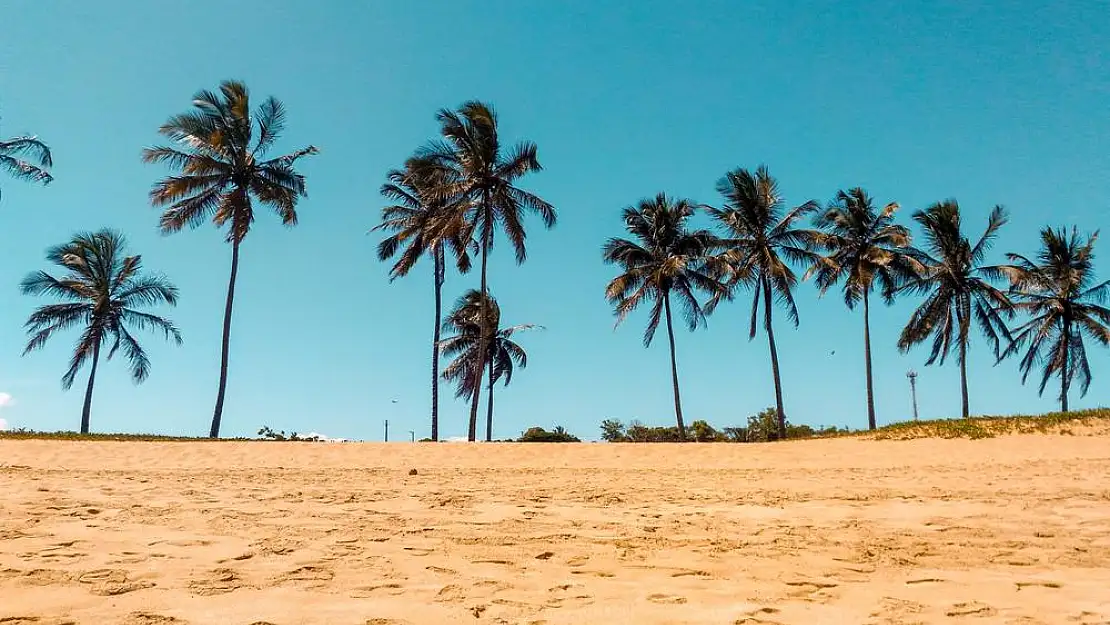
(767, 325)
(87, 410)
(674, 368)
(487, 240)
(439, 272)
(963, 375)
(218, 413)
(1064, 382)
(871, 424)
(489, 406)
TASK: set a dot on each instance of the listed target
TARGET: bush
(761, 427)
(540, 435)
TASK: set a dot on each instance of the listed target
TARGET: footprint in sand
(971, 608)
(386, 621)
(666, 599)
(377, 590)
(111, 582)
(216, 582)
(33, 620)
(309, 576)
(148, 618)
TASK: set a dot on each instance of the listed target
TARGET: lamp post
(912, 375)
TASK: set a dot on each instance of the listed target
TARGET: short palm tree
(957, 287)
(863, 246)
(223, 172)
(101, 291)
(26, 158)
(416, 224)
(761, 241)
(663, 261)
(481, 186)
(1056, 290)
(503, 353)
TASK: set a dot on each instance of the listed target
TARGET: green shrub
(540, 435)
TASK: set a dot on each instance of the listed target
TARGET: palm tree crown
(221, 162)
(502, 352)
(479, 181)
(26, 158)
(761, 241)
(665, 259)
(1056, 290)
(863, 246)
(103, 291)
(957, 287)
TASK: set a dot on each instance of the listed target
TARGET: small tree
(613, 431)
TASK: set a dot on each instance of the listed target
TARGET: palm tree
(416, 223)
(863, 246)
(761, 242)
(26, 158)
(958, 287)
(1056, 291)
(471, 310)
(220, 158)
(102, 290)
(481, 186)
(664, 258)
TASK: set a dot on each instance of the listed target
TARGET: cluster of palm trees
(453, 195)
(758, 242)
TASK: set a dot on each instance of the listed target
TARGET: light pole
(912, 375)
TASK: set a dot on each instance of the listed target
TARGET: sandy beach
(1007, 530)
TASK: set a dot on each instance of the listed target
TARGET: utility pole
(387, 430)
(912, 375)
(412, 435)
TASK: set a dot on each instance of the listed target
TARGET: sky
(916, 102)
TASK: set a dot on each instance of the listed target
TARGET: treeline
(760, 428)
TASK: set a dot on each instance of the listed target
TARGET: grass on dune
(75, 436)
(990, 426)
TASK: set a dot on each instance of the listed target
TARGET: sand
(1006, 530)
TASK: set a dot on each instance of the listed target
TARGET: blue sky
(914, 102)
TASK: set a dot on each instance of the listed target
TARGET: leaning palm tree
(761, 241)
(417, 225)
(481, 186)
(863, 246)
(1056, 290)
(223, 171)
(503, 353)
(102, 291)
(26, 158)
(958, 288)
(664, 259)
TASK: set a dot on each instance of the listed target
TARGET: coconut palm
(863, 246)
(761, 241)
(102, 291)
(503, 353)
(26, 158)
(957, 287)
(664, 259)
(481, 186)
(1056, 290)
(223, 172)
(416, 221)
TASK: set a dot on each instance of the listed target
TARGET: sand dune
(1007, 530)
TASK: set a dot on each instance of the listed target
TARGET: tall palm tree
(958, 287)
(1056, 290)
(664, 258)
(503, 353)
(102, 290)
(761, 241)
(223, 172)
(416, 221)
(26, 158)
(482, 187)
(863, 246)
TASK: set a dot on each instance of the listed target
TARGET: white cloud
(5, 400)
